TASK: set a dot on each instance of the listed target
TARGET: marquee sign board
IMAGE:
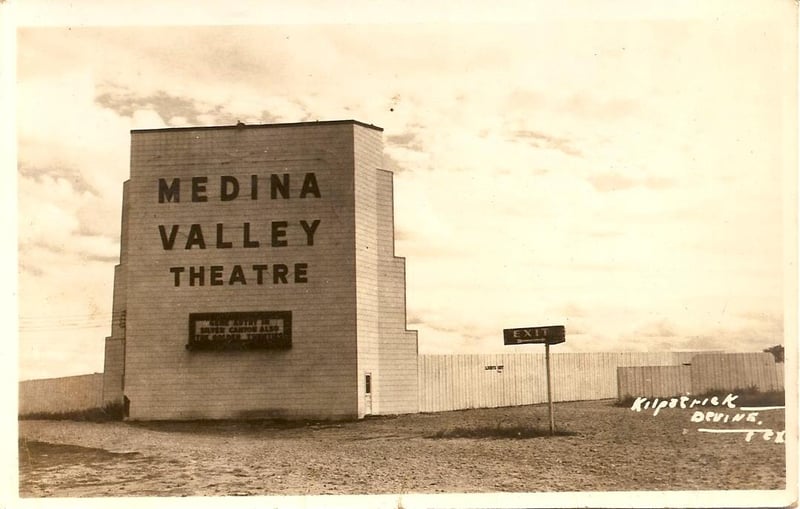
(550, 335)
(249, 330)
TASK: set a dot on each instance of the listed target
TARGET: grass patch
(500, 432)
(110, 412)
(750, 396)
(754, 397)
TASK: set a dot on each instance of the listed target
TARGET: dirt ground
(612, 448)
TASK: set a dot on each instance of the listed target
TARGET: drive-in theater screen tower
(257, 277)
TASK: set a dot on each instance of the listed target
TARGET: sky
(631, 176)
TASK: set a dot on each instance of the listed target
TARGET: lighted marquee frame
(233, 330)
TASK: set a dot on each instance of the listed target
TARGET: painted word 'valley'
(223, 238)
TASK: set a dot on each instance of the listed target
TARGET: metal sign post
(550, 335)
(549, 390)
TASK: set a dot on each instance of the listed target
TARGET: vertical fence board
(779, 375)
(654, 381)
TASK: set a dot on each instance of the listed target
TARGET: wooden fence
(707, 373)
(67, 394)
(736, 371)
(453, 382)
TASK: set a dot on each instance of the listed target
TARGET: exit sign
(550, 335)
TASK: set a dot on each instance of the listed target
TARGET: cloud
(744, 339)
(658, 329)
(438, 335)
(540, 140)
(613, 181)
(588, 105)
(606, 182)
(657, 183)
(733, 336)
(590, 333)
(762, 317)
(402, 235)
(125, 103)
(68, 135)
(408, 140)
(573, 310)
(392, 164)
(52, 217)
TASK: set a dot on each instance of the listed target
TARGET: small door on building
(367, 393)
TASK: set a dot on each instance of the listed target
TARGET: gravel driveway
(611, 448)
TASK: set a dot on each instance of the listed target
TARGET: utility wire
(54, 323)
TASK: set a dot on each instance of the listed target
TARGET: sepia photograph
(390, 254)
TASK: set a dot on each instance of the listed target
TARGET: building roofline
(260, 126)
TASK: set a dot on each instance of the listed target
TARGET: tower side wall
(386, 350)
(114, 359)
(398, 354)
